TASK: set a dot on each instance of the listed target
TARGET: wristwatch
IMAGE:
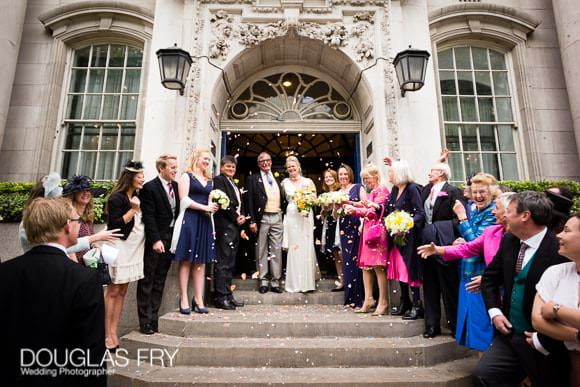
(556, 308)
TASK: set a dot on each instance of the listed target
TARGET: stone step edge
(335, 342)
(453, 373)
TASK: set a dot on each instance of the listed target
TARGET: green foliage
(542, 185)
(13, 196)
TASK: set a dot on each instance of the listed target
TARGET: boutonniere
(442, 194)
(276, 174)
(236, 181)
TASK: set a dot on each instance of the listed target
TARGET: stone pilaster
(567, 16)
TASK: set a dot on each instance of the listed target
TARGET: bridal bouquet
(399, 223)
(220, 198)
(305, 199)
(336, 197)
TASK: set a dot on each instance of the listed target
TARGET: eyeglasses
(265, 161)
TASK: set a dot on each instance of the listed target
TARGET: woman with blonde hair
(193, 237)
(298, 238)
(330, 245)
(372, 252)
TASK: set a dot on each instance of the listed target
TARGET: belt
(271, 213)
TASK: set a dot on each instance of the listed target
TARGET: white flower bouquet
(305, 199)
(398, 224)
(328, 198)
(220, 198)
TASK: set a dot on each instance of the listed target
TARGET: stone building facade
(82, 92)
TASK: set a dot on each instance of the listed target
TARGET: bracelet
(462, 220)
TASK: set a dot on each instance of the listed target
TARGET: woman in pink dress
(373, 249)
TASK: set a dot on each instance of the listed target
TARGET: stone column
(12, 14)
(567, 17)
(164, 114)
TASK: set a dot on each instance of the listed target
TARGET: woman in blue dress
(474, 328)
(349, 239)
(193, 237)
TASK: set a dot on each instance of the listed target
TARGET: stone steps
(455, 373)
(263, 321)
(252, 297)
(325, 284)
(292, 352)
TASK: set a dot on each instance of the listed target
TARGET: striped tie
(520, 261)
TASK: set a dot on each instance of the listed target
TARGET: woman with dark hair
(124, 213)
(330, 245)
(350, 238)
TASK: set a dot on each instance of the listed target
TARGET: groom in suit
(440, 278)
(160, 207)
(265, 205)
(227, 229)
(508, 287)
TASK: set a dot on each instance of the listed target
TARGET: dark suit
(441, 278)
(49, 301)
(270, 229)
(510, 358)
(227, 237)
(157, 218)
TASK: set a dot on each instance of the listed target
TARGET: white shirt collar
(165, 182)
(439, 185)
(535, 240)
(56, 245)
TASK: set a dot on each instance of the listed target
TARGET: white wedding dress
(301, 265)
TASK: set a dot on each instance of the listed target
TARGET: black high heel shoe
(184, 310)
(197, 309)
(400, 310)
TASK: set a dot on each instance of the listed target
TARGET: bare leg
(184, 268)
(198, 276)
(383, 304)
(115, 297)
(369, 302)
(338, 264)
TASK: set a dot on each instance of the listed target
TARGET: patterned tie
(520, 261)
(171, 193)
(269, 178)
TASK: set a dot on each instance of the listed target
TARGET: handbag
(94, 260)
(376, 231)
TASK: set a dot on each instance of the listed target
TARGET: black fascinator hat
(82, 183)
(134, 166)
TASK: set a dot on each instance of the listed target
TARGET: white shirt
(435, 191)
(558, 284)
(237, 191)
(533, 243)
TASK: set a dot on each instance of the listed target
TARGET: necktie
(520, 261)
(269, 178)
(171, 193)
(431, 194)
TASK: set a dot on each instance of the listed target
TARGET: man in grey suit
(265, 205)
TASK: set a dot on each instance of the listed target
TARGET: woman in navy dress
(349, 239)
(193, 238)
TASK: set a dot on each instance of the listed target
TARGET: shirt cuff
(494, 312)
(82, 244)
(538, 345)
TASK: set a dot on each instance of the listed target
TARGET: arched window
(290, 96)
(101, 110)
(477, 112)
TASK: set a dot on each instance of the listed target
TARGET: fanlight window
(290, 96)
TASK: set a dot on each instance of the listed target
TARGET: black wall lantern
(174, 64)
(410, 66)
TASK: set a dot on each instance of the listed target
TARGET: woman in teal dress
(474, 328)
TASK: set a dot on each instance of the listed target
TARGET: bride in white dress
(301, 266)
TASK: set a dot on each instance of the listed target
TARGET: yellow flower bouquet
(305, 199)
(398, 224)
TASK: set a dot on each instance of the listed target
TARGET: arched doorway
(291, 95)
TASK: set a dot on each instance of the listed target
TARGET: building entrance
(316, 152)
